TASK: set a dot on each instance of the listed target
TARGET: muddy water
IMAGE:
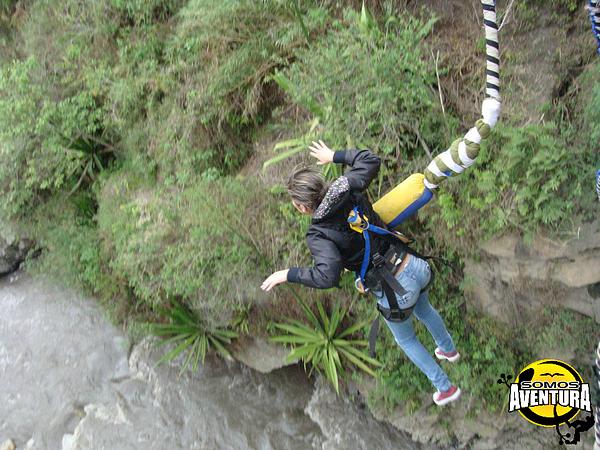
(70, 381)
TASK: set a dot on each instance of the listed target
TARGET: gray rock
(222, 405)
(77, 388)
(346, 426)
(512, 279)
(260, 354)
(57, 354)
(453, 426)
(13, 248)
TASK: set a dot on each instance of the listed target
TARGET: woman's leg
(434, 323)
(404, 334)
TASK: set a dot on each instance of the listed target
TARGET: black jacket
(333, 244)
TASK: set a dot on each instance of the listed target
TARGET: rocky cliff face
(13, 248)
(512, 279)
(86, 387)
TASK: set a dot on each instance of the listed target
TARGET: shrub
(189, 93)
(204, 246)
(57, 130)
(70, 247)
(370, 86)
(42, 140)
(141, 12)
(180, 84)
(237, 45)
(591, 113)
(525, 178)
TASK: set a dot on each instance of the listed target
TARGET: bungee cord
(594, 13)
(463, 151)
(417, 190)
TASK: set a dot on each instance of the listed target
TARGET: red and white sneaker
(442, 398)
(450, 356)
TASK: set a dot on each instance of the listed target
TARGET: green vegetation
(47, 145)
(127, 126)
(365, 104)
(192, 244)
(369, 85)
(525, 178)
(487, 348)
(589, 117)
(529, 13)
(188, 335)
(324, 344)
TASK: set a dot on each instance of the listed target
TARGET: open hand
(274, 279)
(320, 151)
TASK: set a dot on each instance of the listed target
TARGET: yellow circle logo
(548, 393)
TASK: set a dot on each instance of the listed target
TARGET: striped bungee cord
(594, 12)
(463, 151)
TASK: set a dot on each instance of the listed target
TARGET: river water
(69, 380)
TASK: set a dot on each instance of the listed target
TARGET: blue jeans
(413, 278)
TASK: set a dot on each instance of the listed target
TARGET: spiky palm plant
(324, 345)
(91, 151)
(187, 332)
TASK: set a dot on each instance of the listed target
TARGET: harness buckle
(360, 287)
(378, 260)
(358, 222)
(395, 314)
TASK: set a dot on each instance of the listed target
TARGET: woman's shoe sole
(452, 359)
(450, 399)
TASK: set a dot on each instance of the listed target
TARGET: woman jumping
(335, 246)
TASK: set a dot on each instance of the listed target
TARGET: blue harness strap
(366, 228)
(366, 257)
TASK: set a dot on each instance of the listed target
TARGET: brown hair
(307, 187)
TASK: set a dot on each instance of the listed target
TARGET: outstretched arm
(324, 274)
(364, 165)
(327, 267)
